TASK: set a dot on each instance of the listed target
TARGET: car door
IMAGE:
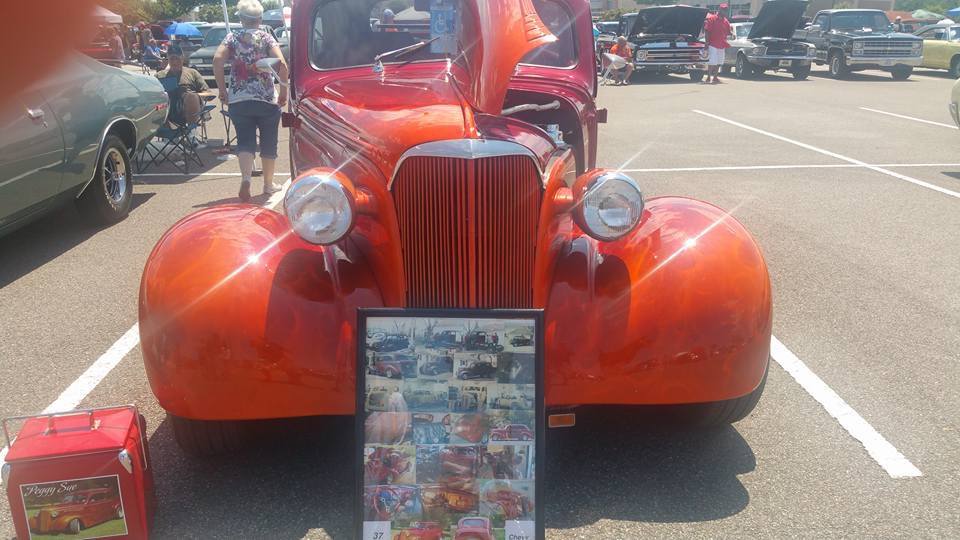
(939, 49)
(31, 157)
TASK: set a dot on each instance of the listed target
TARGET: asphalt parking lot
(852, 189)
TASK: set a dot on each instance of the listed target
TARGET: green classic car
(70, 137)
(941, 48)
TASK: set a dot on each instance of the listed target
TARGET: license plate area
(785, 63)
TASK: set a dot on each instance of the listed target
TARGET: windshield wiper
(397, 53)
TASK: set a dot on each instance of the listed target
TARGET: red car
(450, 173)
(512, 432)
(474, 528)
(78, 511)
(421, 530)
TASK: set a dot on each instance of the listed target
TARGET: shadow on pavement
(624, 467)
(52, 235)
(173, 175)
(299, 477)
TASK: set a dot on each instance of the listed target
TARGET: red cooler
(84, 474)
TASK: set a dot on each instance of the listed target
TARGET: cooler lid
(99, 430)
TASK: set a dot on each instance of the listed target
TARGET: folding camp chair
(611, 62)
(174, 135)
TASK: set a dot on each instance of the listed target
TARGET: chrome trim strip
(774, 57)
(880, 60)
(103, 137)
(466, 149)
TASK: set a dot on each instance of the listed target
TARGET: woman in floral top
(253, 97)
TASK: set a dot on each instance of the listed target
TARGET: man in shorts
(717, 28)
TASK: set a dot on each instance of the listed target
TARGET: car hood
(875, 34)
(668, 20)
(778, 18)
(204, 52)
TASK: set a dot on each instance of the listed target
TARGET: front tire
(743, 68)
(901, 73)
(108, 197)
(719, 413)
(955, 67)
(208, 437)
(75, 526)
(801, 73)
(838, 66)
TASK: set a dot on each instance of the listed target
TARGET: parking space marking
(83, 385)
(787, 167)
(910, 118)
(884, 453)
(812, 148)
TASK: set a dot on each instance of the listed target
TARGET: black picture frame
(534, 315)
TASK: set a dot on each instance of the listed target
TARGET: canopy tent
(924, 15)
(104, 15)
(412, 15)
(955, 12)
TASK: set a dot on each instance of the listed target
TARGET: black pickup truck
(857, 39)
(666, 39)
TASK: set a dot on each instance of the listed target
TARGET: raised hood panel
(778, 19)
(502, 32)
(668, 20)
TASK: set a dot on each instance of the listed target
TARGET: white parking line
(81, 388)
(787, 167)
(951, 126)
(874, 168)
(884, 453)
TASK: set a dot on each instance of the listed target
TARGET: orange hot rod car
(455, 170)
(77, 511)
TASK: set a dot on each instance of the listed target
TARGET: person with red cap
(717, 28)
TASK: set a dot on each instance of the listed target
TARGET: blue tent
(955, 12)
(182, 29)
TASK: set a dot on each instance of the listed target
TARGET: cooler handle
(91, 426)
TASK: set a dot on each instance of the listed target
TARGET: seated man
(623, 50)
(189, 84)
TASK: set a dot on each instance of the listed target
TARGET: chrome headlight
(758, 51)
(54, 514)
(320, 208)
(858, 45)
(704, 53)
(917, 46)
(610, 205)
(641, 55)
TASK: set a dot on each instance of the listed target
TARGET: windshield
(856, 20)
(215, 36)
(350, 33)
(743, 30)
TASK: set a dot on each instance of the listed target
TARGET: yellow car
(941, 48)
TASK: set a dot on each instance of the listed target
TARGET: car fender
(677, 311)
(240, 318)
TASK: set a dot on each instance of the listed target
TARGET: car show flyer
(77, 508)
(450, 424)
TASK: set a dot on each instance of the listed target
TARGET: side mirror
(813, 28)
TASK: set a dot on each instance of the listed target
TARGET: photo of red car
(421, 530)
(474, 528)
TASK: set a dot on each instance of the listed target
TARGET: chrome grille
(468, 229)
(673, 55)
(887, 47)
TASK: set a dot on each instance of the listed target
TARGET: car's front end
(773, 54)
(954, 105)
(771, 45)
(440, 181)
(665, 39)
(883, 51)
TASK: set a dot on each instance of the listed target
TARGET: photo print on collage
(449, 423)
